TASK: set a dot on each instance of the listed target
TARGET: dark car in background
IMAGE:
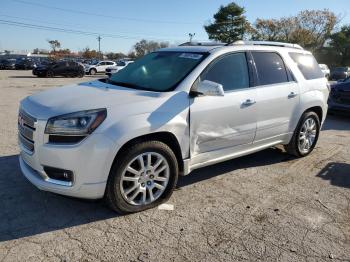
(340, 73)
(62, 68)
(25, 64)
(339, 97)
(7, 64)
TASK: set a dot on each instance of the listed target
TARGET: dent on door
(221, 122)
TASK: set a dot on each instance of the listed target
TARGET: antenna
(191, 36)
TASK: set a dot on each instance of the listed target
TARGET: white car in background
(325, 70)
(119, 66)
(100, 67)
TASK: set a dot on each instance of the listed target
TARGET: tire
(92, 71)
(49, 74)
(80, 74)
(295, 146)
(117, 193)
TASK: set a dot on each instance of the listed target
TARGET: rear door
(277, 96)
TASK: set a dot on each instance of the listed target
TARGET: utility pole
(191, 36)
(99, 45)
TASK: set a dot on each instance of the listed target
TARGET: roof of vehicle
(243, 45)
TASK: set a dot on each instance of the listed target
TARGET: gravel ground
(263, 207)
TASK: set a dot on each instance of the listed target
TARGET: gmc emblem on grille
(20, 121)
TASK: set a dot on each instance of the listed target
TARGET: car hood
(94, 95)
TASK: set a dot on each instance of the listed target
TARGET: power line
(103, 15)
(71, 31)
(136, 34)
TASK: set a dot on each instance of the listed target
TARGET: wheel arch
(317, 109)
(166, 137)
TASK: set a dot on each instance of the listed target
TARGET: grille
(26, 128)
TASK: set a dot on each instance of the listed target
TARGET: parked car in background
(99, 67)
(8, 64)
(25, 64)
(2, 61)
(340, 73)
(119, 66)
(339, 98)
(62, 68)
(325, 70)
(128, 138)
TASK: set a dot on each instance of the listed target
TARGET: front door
(224, 122)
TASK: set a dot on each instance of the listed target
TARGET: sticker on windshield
(191, 56)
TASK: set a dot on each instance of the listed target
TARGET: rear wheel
(305, 135)
(142, 178)
(49, 74)
(80, 74)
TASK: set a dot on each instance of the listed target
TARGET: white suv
(119, 66)
(128, 138)
(100, 67)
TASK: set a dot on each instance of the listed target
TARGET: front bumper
(90, 161)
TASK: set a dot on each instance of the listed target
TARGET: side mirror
(208, 88)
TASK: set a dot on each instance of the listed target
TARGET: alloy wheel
(307, 135)
(145, 178)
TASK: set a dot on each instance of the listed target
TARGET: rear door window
(307, 65)
(270, 68)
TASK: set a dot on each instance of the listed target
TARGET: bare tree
(310, 28)
(55, 44)
(144, 47)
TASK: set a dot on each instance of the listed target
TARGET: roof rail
(267, 43)
(202, 44)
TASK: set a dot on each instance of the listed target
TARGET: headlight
(76, 124)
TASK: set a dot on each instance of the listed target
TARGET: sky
(124, 22)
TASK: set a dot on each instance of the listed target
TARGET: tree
(309, 28)
(273, 29)
(88, 54)
(115, 56)
(144, 47)
(229, 24)
(340, 42)
(314, 27)
(55, 44)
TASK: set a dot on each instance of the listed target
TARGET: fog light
(59, 174)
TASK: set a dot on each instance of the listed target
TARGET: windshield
(158, 71)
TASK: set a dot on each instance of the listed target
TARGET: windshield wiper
(123, 84)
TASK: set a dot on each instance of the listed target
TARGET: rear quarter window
(307, 65)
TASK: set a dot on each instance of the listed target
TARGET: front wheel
(143, 177)
(305, 135)
(93, 71)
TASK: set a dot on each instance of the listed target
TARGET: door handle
(292, 94)
(248, 102)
